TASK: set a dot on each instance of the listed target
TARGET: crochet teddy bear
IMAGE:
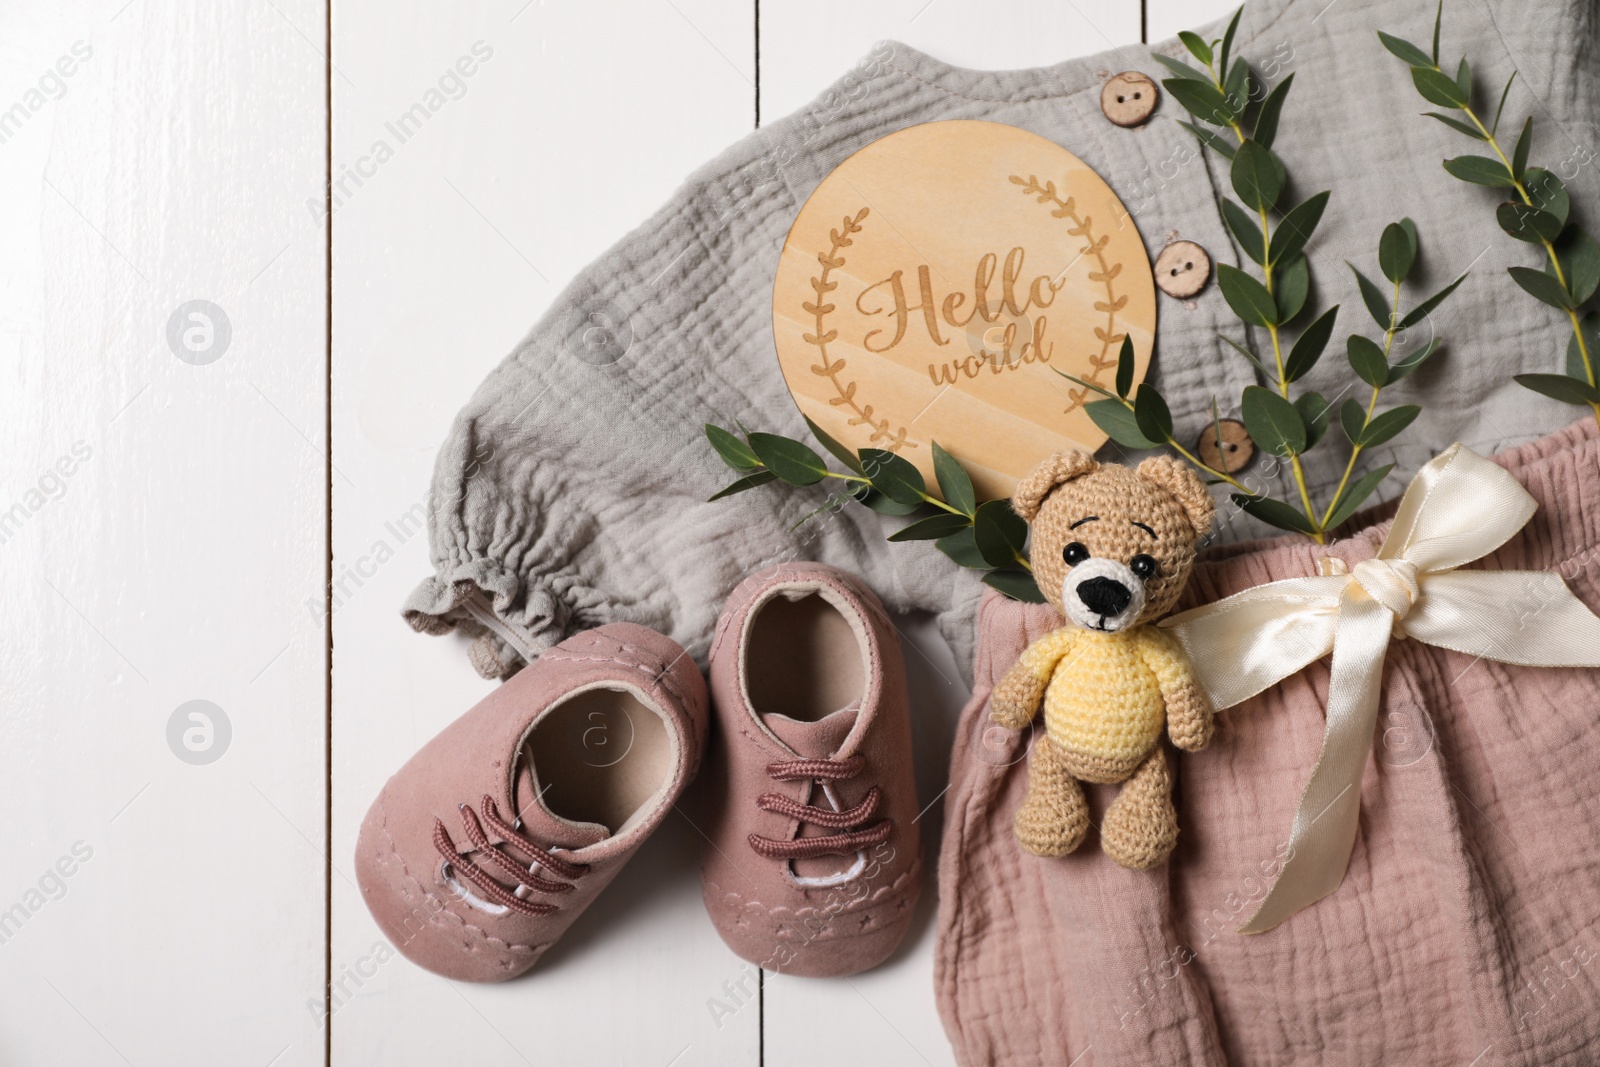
(1111, 549)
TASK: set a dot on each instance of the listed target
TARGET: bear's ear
(1061, 467)
(1186, 486)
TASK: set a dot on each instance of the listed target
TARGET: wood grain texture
(576, 122)
(164, 519)
(941, 281)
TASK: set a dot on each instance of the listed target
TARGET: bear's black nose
(1104, 596)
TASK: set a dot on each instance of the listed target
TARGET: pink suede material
(1465, 929)
(760, 911)
(397, 865)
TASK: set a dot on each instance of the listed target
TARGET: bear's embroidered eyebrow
(1080, 522)
(1147, 530)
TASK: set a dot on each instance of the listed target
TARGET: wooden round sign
(935, 283)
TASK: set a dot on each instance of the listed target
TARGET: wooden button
(1128, 98)
(1237, 448)
(1182, 269)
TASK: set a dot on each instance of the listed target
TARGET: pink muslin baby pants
(1465, 931)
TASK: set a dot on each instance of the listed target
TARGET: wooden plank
(162, 521)
(574, 126)
(888, 1015)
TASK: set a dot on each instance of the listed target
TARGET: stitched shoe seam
(444, 907)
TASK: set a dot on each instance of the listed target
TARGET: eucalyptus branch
(1538, 214)
(986, 536)
(1219, 95)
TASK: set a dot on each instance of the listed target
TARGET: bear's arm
(1015, 700)
(1190, 719)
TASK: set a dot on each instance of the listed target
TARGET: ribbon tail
(1326, 819)
(1524, 617)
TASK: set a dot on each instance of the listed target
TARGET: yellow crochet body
(1104, 697)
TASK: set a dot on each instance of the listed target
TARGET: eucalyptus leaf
(1464, 80)
(1247, 297)
(1296, 228)
(1309, 345)
(1405, 50)
(1294, 283)
(1368, 361)
(1543, 287)
(1494, 127)
(1457, 125)
(954, 483)
(932, 528)
(1315, 413)
(1377, 303)
(1580, 262)
(1151, 413)
(1438, 19)
(1180, 68)
(1196, 45)
(962, 548)
(1519, 158)
(1247, 354)
(1093, 387)
(1437, 87)
(999, 533)
(1227, 38)
(1354, 494)
(1257, 176)
(1200, 99)
(881, 504)
(734, 452)
(1410, 227)
(1480, 170)
(1424, 309)
(1273, 422)
(1116, 419)
(1352, 419)
(1560, 387)
(1124, 368)
(1266, 127)
(1015, 583)
(1527, 223)
(894, 476)
(1547, 192)
(1275, 513)
(1244, 230)
(840, 452)
(1238, 86)
(1210, 138)
(1396, 252)
(791, 460)
(749, 481)
(1385, 426)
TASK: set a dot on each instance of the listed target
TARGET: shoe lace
(852, 836)
(520, 873)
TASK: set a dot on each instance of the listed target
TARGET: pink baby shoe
(494, 838)
(813, 861)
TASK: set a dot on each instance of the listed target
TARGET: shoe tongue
(815, 740)
(542, 825)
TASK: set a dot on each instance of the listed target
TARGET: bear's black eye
(1075, 553)
(1144, 566)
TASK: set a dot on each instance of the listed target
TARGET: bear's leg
(1054, 816)
(1141, 825)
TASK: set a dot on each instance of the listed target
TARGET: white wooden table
(175, 883)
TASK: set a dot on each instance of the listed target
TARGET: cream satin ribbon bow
(1459, 508)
